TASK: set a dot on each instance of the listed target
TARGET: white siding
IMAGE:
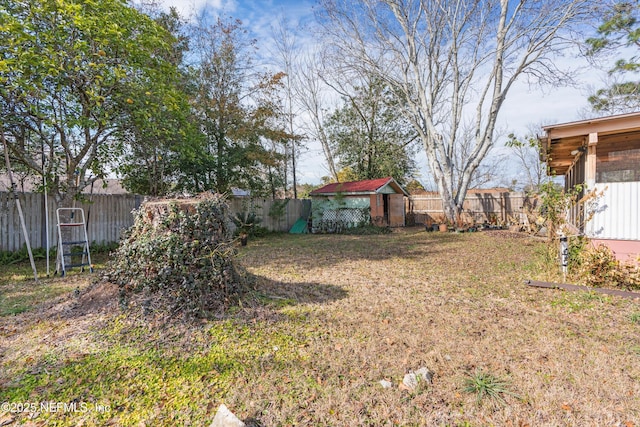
(617, 212)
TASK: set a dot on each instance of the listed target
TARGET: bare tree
(311, 92)
(490, 171)
(450, 60)
(286, 51)
(527, 152)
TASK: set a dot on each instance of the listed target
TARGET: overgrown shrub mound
(599, 267)
(177, 258)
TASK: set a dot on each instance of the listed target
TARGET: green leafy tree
(160, 140)
(71, 72)
(368, 137)
(620, 29)
(236, 109)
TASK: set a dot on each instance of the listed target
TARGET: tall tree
(67, 73)
(620, 29)
(451, 59)
(286, 52)
(313, 98)
(159, 138)
(367, 135)
(527, 152)
(235, 107)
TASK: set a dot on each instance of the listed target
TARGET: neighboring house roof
(564, 140)
(29, 184)
(422, 192)
(494, 190)
(239, 192)
(369, 186)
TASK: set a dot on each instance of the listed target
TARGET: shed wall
(616, 214)
(329, 213)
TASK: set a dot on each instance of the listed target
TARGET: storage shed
(602, 154)
(343, 205)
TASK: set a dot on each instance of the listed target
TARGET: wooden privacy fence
(275, 215)
(108, 215)
(489, 207)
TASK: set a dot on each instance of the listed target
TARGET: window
(618, 166)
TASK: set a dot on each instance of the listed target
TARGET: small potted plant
(442, 223)
(245, 223)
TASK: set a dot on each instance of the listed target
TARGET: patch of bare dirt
(98, 298)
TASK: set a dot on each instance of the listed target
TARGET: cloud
(524, 106)
(187, 8)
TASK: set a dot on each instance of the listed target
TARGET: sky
(524, 107)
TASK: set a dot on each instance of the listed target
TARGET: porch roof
(564, 141)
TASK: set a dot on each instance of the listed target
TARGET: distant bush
(14, 257)
(103, 247)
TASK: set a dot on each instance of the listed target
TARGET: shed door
(377, 209)
(396, 210)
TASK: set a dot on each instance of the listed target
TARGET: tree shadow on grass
(332, 250)
(296, 292)
(260, 296)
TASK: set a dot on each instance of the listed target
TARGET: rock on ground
(225, 418)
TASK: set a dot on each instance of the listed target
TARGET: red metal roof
(366, 186)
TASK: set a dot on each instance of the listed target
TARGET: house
(603, 155)
(348, 204)
(30, 183)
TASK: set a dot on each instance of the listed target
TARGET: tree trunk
(453, 62)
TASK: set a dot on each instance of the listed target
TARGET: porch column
(590, 172)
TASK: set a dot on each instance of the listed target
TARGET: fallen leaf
(6, 420)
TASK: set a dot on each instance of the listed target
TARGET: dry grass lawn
(328, 318)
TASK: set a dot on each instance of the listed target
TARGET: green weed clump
(179, 256)
(485, 385)
(14, 257)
